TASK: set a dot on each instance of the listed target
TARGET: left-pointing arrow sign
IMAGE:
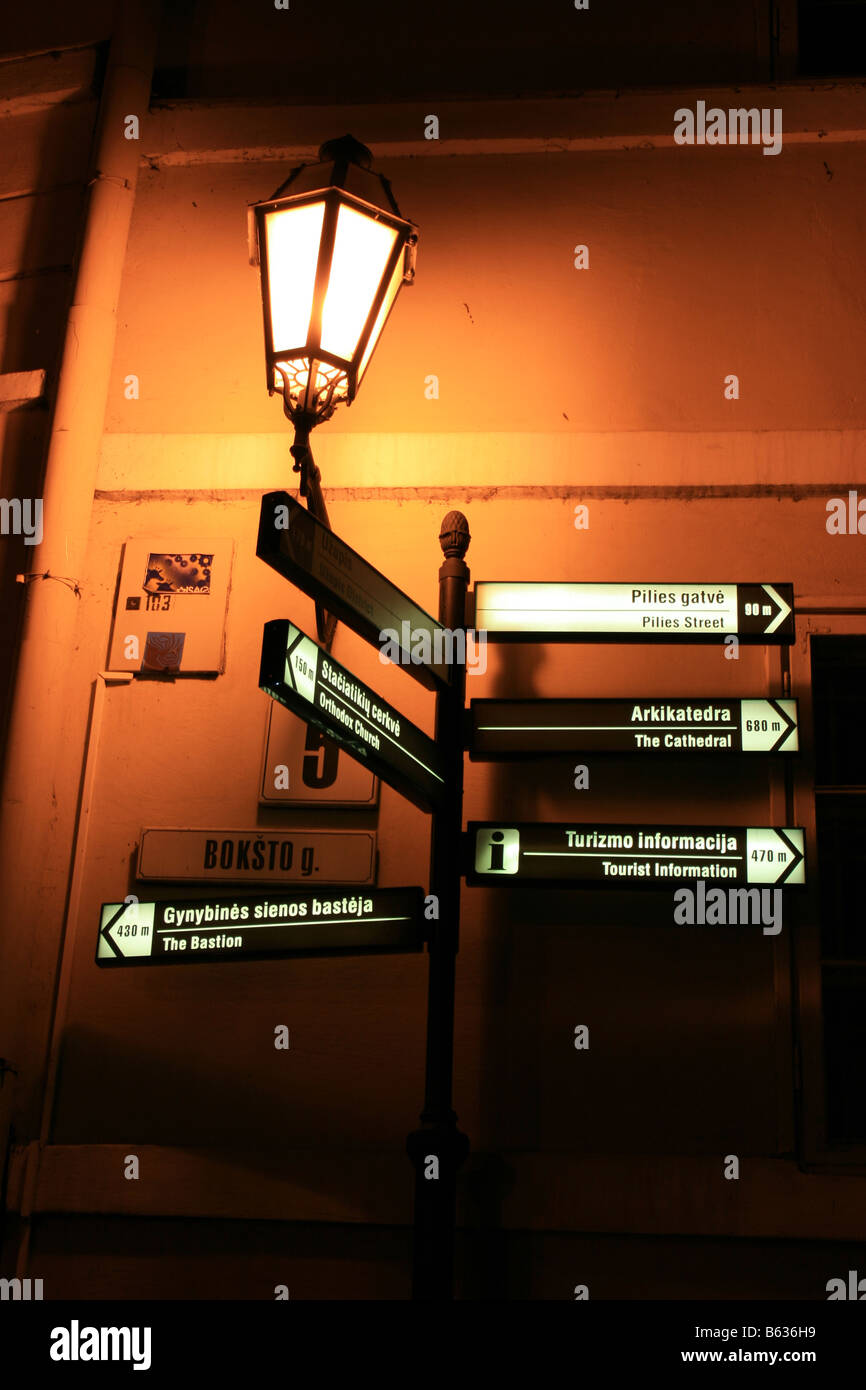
(288, 922)
(298, 673)
(125, 930)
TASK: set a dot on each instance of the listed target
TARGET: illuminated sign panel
(298, 673)
(657, 612)
(632, 856)
(323, 566)
(286, 922)
(502, 728)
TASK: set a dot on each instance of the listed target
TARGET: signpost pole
(438, 1148)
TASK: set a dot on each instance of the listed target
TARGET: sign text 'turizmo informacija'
(504, 728)
(296, 671)
(304, 551)
(284, 923)
(642, 612)
(632, 856)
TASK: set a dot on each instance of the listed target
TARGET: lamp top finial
(348, 148)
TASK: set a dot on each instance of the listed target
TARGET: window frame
(833, 617)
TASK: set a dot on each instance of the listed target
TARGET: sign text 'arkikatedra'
(503, 728)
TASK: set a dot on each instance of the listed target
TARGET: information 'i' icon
(497, 851)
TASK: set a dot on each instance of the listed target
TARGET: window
(832, 38)
(839, 723)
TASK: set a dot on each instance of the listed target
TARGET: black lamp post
(334, 251)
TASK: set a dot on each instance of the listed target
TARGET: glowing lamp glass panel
(390, 296)
(361, 250)
(326, 379)
(293, 236)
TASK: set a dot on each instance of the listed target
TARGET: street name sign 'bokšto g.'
(304, 551)
(640, 612)
(285, 923)
(258, 856)
(296, 671)
(513, 728)
(632, 856)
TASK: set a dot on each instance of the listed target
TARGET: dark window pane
(832, 38)
(845, 1054)
(838, 685)
(839, 710)
(841, 833)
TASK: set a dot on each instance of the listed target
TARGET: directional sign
(632, 856)
(286, 923)
(503, 728)
(300, 548)
(650, 612)
(297, 672)
(261, 855)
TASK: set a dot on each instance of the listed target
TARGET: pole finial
(454, 536)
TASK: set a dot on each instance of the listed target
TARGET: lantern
(333, 252)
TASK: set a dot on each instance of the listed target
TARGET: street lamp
(333, 251)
